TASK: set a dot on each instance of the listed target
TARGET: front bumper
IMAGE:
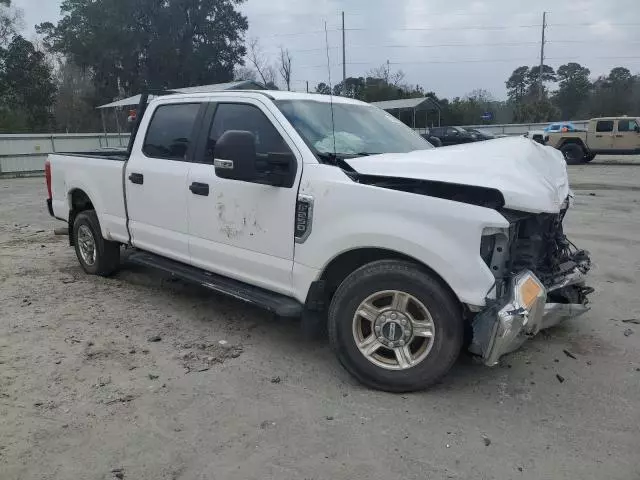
(506, 324)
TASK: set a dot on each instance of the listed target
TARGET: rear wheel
(395, 327)
(573, 153)
(96, 255)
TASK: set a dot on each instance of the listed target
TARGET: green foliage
(573, 89)
(27, 89)
(135, 44)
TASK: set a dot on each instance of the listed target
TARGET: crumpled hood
(530, 176)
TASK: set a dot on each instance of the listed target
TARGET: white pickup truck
(330, 208)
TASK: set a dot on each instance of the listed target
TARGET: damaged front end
(540, 281)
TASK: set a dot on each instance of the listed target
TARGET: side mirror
(235, 156)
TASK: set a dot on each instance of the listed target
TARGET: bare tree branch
(285, 67)
(257, 58)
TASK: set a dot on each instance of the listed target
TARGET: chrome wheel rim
(86, 245)
(393, 330)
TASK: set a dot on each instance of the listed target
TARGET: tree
(10, 21)
(244, 73)
(150, 43)
(323, 89)
(518, 83)
(27, 87)
(573, 91)
(73, 109)
(537, 81)
(611, 95)
(285, 67)
(258, 59)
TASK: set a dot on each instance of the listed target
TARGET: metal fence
(515, 128)
(21, 154)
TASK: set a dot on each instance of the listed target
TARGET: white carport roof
(420, 103)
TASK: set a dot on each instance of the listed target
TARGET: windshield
(359, 129)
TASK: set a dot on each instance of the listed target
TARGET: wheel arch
(79, 201)
(343, 264)
(575, 141)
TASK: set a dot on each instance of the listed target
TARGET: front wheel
(96, 255)
(395, 327)
(573, 153)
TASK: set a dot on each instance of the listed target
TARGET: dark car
(452, 135)
(482, 134)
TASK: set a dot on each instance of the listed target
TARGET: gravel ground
(225, 391)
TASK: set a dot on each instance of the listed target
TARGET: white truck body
(246, 231)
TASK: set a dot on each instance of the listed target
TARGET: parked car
(332, 210)
(561, 127)
(483, 134)
(606, 136)
(435, 141)
(452, 135)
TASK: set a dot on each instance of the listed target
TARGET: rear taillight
(47, 176)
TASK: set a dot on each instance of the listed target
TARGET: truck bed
(97, 174)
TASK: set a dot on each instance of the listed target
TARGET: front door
(241, 229)
(627, 136)
(156, 181)
(602, 139)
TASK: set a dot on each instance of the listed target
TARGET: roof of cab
(272, 94)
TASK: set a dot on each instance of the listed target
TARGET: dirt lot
(229, 392)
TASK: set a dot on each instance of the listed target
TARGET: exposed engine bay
(540, 279)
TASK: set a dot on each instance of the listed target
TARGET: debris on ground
(123, 399)
(206, 355)
(569, 354)
(275, 380)
(118, 473)
(635, 321)
(560, 378)
(329, 417)
(153, 376)
(486, 440)
(267, 424)
(155, 338)
(628, 332)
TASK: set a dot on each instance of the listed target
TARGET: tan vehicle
(604, 136)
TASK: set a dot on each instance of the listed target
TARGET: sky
(451, 48)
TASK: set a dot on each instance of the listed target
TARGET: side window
(604, 126)
(170, 131)
(627, 125)
(237, 116)
(452, 131)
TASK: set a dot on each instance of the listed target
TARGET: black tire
(573, 153)
(107, 254)
(435, 141)
(418, 282)
(589, 157)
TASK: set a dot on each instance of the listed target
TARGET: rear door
(627, 137)
(602, 138)
(240, 229)
(156, 180)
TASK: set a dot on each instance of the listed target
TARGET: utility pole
(344, 54)
(544, 27)
(307, 86)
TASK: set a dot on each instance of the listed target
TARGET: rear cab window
(627, 125)
(171, 131)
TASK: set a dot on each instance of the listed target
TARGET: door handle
(199, 189)
(137, 178)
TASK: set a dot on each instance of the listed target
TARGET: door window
(604, 126)
(452, 131)
(627, 125)
(237, 116)
(170, 131)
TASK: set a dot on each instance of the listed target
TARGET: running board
(274, 302)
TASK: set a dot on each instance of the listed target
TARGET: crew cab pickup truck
(605, 136)
(333, 209)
